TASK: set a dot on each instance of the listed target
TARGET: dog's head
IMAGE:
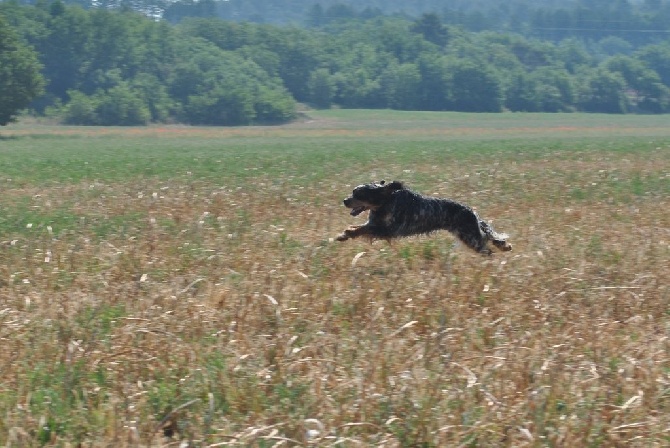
(371, 196)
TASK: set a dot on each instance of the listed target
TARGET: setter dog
(396, 211)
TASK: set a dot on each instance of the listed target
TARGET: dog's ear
(395, 185)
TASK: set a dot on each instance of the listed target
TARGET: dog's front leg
(355, 232)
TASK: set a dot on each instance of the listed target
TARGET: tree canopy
(20, 79)
(117, 66)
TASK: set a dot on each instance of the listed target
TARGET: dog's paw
(505, 247)
(502, 245)
(342, 237)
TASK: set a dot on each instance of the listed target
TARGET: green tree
(218, 87)
(118, 106)
(474, 87)
(603, 91)
(122, 106)
(358, 89)
(433, 89)
(20, 79)
(431, 28)
(395, 38)
(223, 105)
(520, 94)
(657, 58)
(652, 96)
(357, 67)
(273, 105)
(65, 48)
(176, 11)
(116, 43)
(400, 84)
(321, 88)
(645, 87)
(573, 55)
(299, 53)
(80, 110)
(154, 95)
(552, 89)
(613, 45)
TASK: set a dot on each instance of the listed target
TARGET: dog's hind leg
(467, 226)
(472, 238)
(497, 239)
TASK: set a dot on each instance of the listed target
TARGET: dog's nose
(346, 202)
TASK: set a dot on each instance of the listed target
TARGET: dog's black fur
(396, 211)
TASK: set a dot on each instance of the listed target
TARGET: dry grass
(163, 310)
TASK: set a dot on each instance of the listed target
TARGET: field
(177, 286)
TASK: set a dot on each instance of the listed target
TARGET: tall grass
(164, 287)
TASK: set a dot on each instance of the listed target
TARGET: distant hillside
(523, 16)
(638, 22)
(298, 11)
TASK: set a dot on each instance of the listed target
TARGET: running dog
(396, 211)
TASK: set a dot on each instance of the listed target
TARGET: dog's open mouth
(357, 210)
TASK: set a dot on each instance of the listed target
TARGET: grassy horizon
(173, 284)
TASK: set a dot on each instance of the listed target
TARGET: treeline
(121, 68)
(104, 67)
(637, 22)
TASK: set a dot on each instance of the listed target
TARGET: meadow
(180, 286)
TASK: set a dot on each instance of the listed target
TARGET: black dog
(396, 211)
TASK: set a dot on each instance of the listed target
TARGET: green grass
(85, 154)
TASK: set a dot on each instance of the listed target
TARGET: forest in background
(119, 64)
